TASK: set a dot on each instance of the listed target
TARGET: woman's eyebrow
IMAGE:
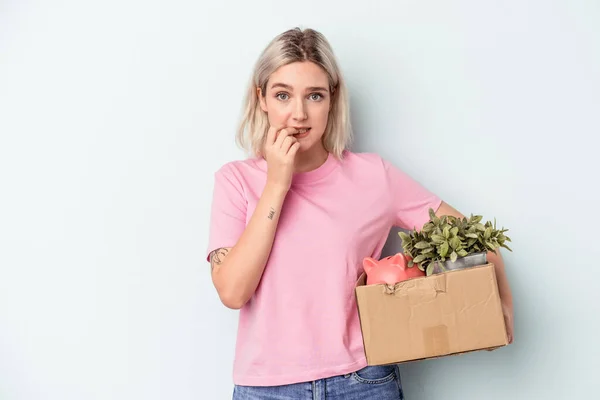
(288, 87)
(282, 85)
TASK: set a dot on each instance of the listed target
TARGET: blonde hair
(288, 47)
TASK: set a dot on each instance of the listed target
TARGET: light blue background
(115, 114)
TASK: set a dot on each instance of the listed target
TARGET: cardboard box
(439, 315)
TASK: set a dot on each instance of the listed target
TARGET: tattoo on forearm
(217, 257)
(271, 213)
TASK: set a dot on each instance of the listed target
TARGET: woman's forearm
(504, 291)
(237, 271)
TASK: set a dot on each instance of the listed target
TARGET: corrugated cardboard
(449, 313)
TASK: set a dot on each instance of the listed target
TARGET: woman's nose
(299, 112)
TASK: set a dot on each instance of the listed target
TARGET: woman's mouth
(303, 132)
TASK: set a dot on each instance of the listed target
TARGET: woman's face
(298, 96)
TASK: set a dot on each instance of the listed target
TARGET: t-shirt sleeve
(411, 200)
(228, 211)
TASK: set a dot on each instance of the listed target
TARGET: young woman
(291, 225)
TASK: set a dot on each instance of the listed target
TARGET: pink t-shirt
(302, 322)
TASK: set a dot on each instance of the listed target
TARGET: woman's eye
(316, 96)
(282, 96)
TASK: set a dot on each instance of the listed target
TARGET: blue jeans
(380, 382)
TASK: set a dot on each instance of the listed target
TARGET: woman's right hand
(281, 148)
(237, 275)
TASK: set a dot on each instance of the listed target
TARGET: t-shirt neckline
(307, 176)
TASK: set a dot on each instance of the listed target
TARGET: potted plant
(448, 243)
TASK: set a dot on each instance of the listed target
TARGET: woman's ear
(261, 99)
(331, 97)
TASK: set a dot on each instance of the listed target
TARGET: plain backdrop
(114, 116)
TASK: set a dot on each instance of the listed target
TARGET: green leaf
(438, 239)
(490, 245)
(454, 242)
(422, 245)
(453, 256)
(488, 233)
(480, 227)
(446, 232)
(431, 213)
(454, 231)
(506, 247)
(430, 268)
(404, 236)
(410, 263)
(463, 253)
(471, 235)
(428, 227)
(419, 258)
(443, 249)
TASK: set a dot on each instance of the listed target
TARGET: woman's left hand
(508, 320)
(507, 311)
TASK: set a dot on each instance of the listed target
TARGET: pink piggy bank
(390, 270)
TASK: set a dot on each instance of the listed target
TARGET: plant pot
(468, 261)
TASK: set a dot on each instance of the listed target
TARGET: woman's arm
(496, 259)
(236, 271)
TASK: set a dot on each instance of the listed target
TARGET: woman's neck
(311, 159)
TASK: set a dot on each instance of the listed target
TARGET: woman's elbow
(233, 294)
(232, 301)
